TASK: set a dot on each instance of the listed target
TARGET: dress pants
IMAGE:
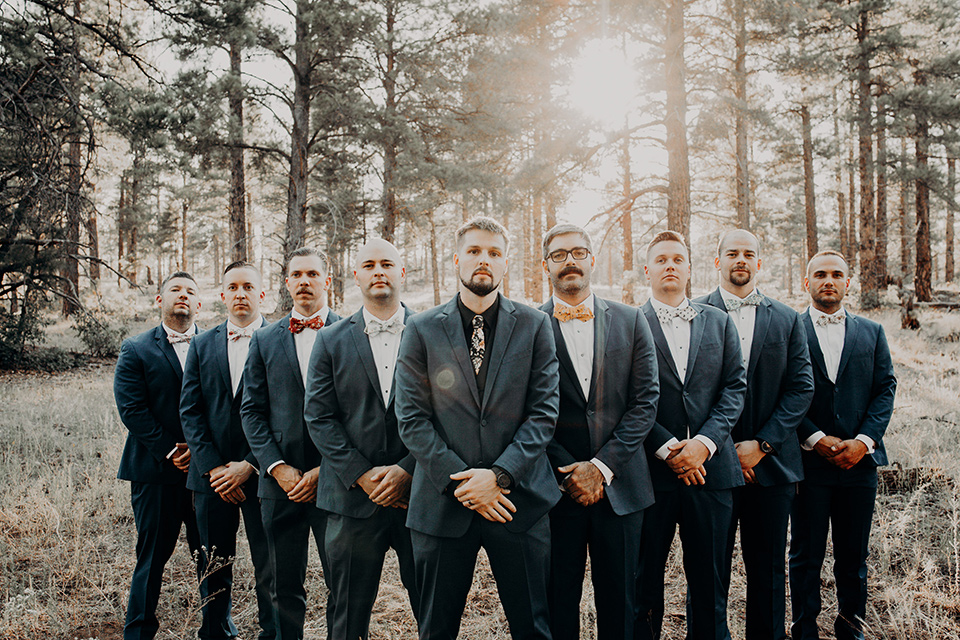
(763, 514)
(843, 501)
(520, 563)
(703, 517)
(219, 521)
(614, 545)
(355, 549)
(159, 510)
(287, 525)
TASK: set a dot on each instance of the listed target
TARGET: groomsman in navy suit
(364, 483)
(693, 461)
(272, 416)
(842, 441)
(608, 403)
(223, 474)
(155, 460)
(477, 399)
(779, 389)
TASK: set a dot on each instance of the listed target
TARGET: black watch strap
(504, 480)
(765, 446)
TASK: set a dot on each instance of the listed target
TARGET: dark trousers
(614, 545)
(763, 514)
(159, 510)
(287, 525)
(703, 517)
(355, 550)
(520, 563)
(219, 521)
(846, 506)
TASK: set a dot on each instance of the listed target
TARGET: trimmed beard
(479, 288)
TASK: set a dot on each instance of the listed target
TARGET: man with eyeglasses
(608, 403)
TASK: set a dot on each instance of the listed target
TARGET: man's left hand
(584, 482)
(852, 452)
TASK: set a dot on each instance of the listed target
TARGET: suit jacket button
(483, 423)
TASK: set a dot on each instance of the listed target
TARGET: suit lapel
(562, 354)
(458, 344)
(289, 346)
(850, 336)
(393, 386)
(816, 354)
(171, 354)
(362, 343)
(659, 339)
(696, 334)
(220, 354)
(761, 324)
(601, 334)
(505, 324)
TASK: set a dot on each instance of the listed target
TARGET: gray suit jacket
(449, 428)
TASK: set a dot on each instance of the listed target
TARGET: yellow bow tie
(579, 312)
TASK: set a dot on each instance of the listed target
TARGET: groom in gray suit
(477, 398)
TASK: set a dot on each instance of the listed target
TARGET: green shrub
(100, 339)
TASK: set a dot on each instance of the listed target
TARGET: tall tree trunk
(948, 267)
(184, 210)
(71, 266)
(906, 273)
(809, 195)
(852, 242)
(675, 119)
(869, 285)
(121, 227)
(238, 201)
(626, 222)
(740, 93)
(434, 262)
(922, 282)
(528, 240)
(535, 244)
(388, 228)
(841, 198)
(881, 262)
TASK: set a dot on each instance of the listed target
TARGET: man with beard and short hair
(272, 417)
(842, 440)
(364, 481)
(779, 389)
(146, 385)
(223, 473)
(608, 403)
(477, 396)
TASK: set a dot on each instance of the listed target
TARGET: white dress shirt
(677, 333)
(830, 338)
(181, 349)
(237, 351)
(578, 338)
(746, 319)
(305, 339)
(385, 347)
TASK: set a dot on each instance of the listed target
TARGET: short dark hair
(562, 230)
(176, 274)
(240, 264)
(723, 237)
(483, 223)
(668, 236)
(308, 251)
(828, 252)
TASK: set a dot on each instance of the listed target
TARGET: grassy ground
(67, 534)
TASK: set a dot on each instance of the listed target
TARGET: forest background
(141, 137)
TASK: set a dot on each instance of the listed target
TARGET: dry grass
(67, 534)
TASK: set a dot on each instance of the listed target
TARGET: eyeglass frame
(552, 255)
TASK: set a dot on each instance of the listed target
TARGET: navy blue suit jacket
(612, 422)
(449, 428)
(707, 402)
(779, 388)
(860, 402)
(347, 419)
(271, 411)
(146, 385)
(209, 411)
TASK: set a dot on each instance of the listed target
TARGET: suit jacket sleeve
(882, 391)
(541, 408)
(795, 400)
(193, 417)
(255, 408)
(130, 392)
(641, 414)
(415, 412)
(726, 410)
(321, 411)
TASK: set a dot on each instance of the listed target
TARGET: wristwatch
(503, 478)
(765, 446)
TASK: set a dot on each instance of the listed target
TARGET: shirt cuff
(664, 451)
(812, 441)
(867, 440)
(604, 471)
(708, 443)
(274, 466)
(172, 453)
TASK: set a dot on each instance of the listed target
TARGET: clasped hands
(228, 479)
(300, 487)
(841, 453)
(478, 491)
(584, 482)
(387, 486)
(686, 459)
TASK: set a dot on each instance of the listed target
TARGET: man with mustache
(272, 416)
(608, 403)
(842, 441)
(223, 475)
(364, 482)
(477, 395)
(146, 385)
(779, 389)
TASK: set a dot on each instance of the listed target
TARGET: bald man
(364, 481)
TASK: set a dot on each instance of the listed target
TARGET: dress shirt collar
(588, 303)
(256, 324)
(170, 332)
(489, 316)
(816, 314)
(322, 313)
(367, 316)
(663, 305)
(726, 295)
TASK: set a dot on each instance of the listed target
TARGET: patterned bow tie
(666, 316)
(179, 338)
(375, 327)
(246, 332)
(565, 313)
(297, 325)
(837, 318)
(751, 300)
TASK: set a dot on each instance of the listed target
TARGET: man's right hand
(829, 446)
(286, 476)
